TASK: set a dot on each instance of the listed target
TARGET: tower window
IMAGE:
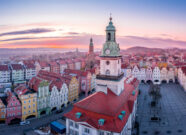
(107, 62)
(107, 72)
(109, 36)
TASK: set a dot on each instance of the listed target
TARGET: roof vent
(123, 112)
(101, 122)
(78, 115)
(133, 93)
(120, 117)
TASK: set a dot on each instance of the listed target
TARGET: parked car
(59, 111)
(24, 123)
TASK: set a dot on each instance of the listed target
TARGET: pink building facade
(13, 110)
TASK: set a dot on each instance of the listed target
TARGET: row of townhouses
(59, 66)
(46, 92)
(156, 74)
(16, 73)
(182, 77)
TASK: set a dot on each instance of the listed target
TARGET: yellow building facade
(73, 92)
(29, 105)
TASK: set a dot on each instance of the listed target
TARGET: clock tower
(110, 75)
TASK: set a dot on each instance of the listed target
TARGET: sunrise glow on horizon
(70, 24)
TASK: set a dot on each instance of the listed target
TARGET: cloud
(82, 41)
(152, 42)
(15, 39)
(29, 31)
(73, 33)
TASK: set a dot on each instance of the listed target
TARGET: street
(34, 123)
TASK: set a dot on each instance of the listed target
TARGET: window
(25, 102)
(86, 130)
(29, 101)
(76, 125)
(107, 62)
(76, 133)
(107, 72)
(101, 132)
(109, 36)
(71, 123)
(71, 132)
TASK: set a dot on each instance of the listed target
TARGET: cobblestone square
(172, 112)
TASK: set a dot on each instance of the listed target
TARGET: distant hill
(144, 49)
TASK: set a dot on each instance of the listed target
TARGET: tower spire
(110, 17)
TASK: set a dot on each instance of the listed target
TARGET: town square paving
(171, 110)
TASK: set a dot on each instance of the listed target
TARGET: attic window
(120, 117)
(78, 115)
(133, 93)
(101, 122)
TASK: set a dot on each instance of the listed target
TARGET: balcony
(106, 77)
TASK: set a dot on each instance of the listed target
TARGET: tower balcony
(108, 77)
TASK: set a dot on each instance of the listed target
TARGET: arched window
(109, 36)
(107, 72)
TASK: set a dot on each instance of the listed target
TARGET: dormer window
(101, 122)
(78, 115)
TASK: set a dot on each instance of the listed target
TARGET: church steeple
(110, 48)
(91, 46)
(110, 31)
(111, 75)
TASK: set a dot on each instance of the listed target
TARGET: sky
(71, 23)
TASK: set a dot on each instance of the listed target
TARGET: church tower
(110, 75)
(91, 46)
(90, 61)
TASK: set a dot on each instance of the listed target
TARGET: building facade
(2, 110)
(28, 100)
(30, 71)
(17, 74)
(43, 95)
(13, 110)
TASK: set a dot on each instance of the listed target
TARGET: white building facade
(58, 97)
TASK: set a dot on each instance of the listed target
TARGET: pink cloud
(82, 41)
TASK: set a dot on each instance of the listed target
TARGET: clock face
(107, 51)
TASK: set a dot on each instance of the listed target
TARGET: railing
(106, 77)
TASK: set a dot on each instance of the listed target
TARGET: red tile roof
(29, 66)
(21, 90)
(4, 68)
(79, 73)
(17, 66)
(106, 106)
(43, 64)
(183, 69)
(53, 78)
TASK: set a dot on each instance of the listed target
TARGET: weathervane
(110, 16)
